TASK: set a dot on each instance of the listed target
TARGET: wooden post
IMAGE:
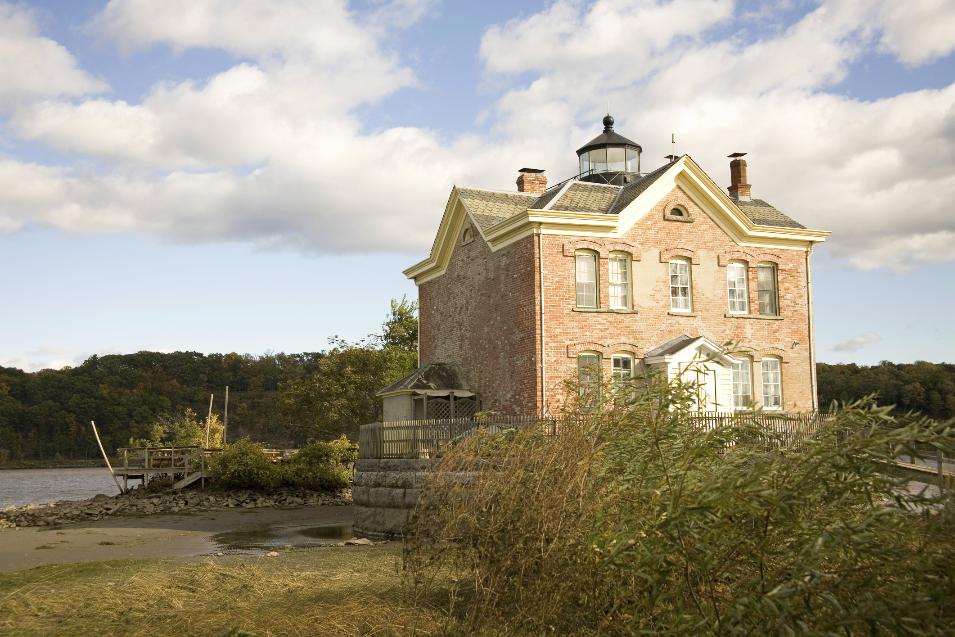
(225, 416)
(941, 470)
(105, 457)
(209, 420)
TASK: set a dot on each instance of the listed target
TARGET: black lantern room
(609, 158)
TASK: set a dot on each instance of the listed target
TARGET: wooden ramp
(189, 479)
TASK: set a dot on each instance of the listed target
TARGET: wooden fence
(426, 438)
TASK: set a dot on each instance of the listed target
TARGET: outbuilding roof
(427, 377)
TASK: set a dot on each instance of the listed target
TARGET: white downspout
(540, 260)
(812, 328)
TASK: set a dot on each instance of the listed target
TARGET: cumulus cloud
(43, 358)
(35, 66)
(272, 150)
(856, 343)
(918, 31)
(846, 165)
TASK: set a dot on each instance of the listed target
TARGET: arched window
(768, 289)
(588, 379)
(772, 383)
(742, 383)
(619, 283)
(736, 287)
(677, 212)
(586, 267)
(681, 291)
(466, 235)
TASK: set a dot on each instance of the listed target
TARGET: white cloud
(272, 150)
(880, 174)
(34, 66)
(919, 31)
(43, 358)
(856, 343)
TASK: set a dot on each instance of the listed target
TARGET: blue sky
(214, 177)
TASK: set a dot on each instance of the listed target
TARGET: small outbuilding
(431, 392)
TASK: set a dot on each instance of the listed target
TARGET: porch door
(704, 379)
(707, 388)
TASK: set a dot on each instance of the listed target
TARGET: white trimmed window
(619, 281)
(742, 384)
(586, 265)
(772, 383)
(736, 287)
(588, 378)
(680, 286)
(767, 285)
(621, 369)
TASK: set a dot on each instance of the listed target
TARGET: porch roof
(433, 378)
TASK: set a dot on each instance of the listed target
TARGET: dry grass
(333, 591)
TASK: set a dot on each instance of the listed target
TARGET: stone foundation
(384, 495)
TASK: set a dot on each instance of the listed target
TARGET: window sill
(603, 310)
(760, 317)
(690, 314)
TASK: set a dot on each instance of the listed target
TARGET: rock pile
(141, 502)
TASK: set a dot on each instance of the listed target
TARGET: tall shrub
(637, 521)
(244, 465)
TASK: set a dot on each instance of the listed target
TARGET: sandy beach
(238, 531)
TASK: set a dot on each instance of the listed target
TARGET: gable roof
(674, 346)
(488, 207)
(427, 377)
(581, 196)
(633, 190)
(584, 208)
(764, 214)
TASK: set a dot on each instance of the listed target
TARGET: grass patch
(341, 591)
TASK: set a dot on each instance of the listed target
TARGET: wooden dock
(185, 465)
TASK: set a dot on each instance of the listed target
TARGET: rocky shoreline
(140, 502)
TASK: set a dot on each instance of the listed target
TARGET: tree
(340, 395)
(400, 329)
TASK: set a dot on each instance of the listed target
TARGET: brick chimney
(531, 180)
(739, 188)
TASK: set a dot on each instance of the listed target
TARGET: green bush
(244, 465)
(322, 466)
(319, 466)
(634, 520)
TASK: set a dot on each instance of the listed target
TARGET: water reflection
(270, 537)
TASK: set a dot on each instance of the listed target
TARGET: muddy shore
(223, 533)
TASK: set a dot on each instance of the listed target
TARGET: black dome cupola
(609, 158)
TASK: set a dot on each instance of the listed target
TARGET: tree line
(287, 400)
(925, 387)
(282, 400)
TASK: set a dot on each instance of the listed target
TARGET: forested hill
(285, 399)
(925, 387)
(279, 399)
(47, 414)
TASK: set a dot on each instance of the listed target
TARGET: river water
(37, 486)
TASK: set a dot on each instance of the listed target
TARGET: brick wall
(482, 315)
(567, 331)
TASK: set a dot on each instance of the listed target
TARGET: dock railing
(427, 438)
